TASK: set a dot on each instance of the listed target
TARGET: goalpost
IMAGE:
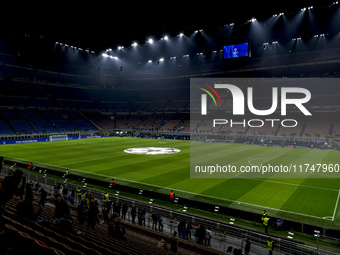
(53, 138)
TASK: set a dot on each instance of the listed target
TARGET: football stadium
(207, 132)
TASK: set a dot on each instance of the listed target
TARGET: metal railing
(221, 231)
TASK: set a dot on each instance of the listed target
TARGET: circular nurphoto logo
(152, 150)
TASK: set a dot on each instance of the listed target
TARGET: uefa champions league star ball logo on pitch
(152, 150)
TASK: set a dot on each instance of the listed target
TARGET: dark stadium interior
(98, 71)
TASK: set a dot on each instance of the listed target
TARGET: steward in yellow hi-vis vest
(106, 197)
(270, 245)
(264, 214)
(67, 174)
(78, 195)
(266, 223)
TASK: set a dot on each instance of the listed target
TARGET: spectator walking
(247, 246)
(81, 213)
(160, 223)
(118, 207)
(189, 228)
(133, 213)
(120, 231)
(180, 228)
(124, 210)
(143, 217)
(43, 195)
(154, 217)
(111, 224)
(207, 237)
(200, 234)
(92, 215)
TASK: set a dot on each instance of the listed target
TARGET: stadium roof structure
(97, 26)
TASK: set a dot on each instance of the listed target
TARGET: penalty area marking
(336, 206)
(208, 196)
(250, 161)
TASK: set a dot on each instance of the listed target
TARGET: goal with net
(53, 138)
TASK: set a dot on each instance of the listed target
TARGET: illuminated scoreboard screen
(236, 51)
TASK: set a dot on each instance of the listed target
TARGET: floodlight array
(74, 47)
(151, 40)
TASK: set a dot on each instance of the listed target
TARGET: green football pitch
(308, 200)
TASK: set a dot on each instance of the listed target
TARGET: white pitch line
(336, 206)
(274, 157)
(198, 194)
(262, 162)
(298, 185)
